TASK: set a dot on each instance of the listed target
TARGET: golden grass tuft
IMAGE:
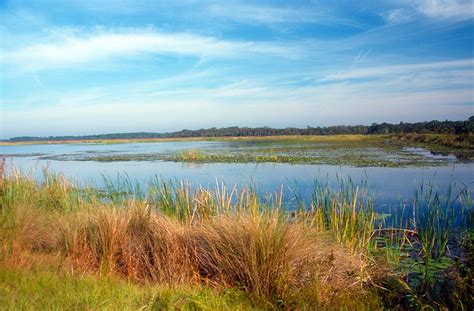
(277, 260)
(267, 256)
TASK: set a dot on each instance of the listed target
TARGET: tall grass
(334, 250)
(177, 234)
(347, 212)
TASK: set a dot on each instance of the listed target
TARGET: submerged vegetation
(355, 150)
(173, 245)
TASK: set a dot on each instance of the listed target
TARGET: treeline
(440, 127)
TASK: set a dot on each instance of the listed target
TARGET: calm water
(387, 185)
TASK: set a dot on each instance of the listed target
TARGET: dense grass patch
(183, 247)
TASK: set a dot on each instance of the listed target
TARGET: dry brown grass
(2, 168)
(32, 232)
(276, 259)
(267, 256)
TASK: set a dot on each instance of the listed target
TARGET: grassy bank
(283, 138)
(461, 145)
(175, 246)
(460, 141)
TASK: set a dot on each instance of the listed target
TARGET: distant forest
(439, 127)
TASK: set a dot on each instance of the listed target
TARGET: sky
(86, 67)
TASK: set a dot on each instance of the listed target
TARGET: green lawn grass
(40, 289)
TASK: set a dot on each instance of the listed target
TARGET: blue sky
(85, 67)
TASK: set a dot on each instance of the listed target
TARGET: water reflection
(388, 186)
(430, 154)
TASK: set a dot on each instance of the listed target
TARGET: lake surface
(387, 185)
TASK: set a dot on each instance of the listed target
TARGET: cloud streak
(78, 47)
(457, 9)
(261, 14)
(444, 68)
(436, 10)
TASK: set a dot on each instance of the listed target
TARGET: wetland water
(388, 185)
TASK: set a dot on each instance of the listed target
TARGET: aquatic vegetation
(335, 251)
(354, 150)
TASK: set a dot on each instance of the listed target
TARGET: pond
(388, 185)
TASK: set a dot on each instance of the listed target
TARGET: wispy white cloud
(444, 68)
(265, 14)
(459, 9)
(246, 12)
(400, 15)
(71, 47)
(441, 10)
